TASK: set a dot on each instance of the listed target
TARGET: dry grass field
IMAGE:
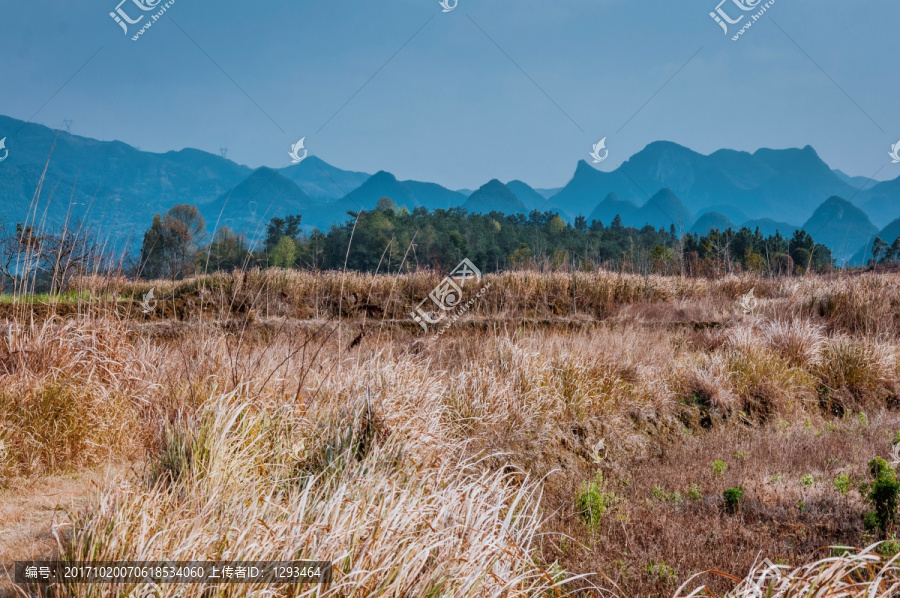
(572, 434)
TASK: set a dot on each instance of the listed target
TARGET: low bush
(719, 468)
(883, 496)
(593, 501)
(733, 497)
(842, 483)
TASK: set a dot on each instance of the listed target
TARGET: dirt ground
(32, 510)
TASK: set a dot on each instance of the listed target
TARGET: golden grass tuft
(798, 341)
(850, 572)
(236, 487)
(766, 383)
(69, 396)
(857, 373)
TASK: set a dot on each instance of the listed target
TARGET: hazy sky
(444, 102)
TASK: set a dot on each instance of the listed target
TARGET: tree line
(392, 239)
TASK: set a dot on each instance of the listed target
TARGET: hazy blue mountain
(693, 177)
(730, 212)
(882, 201)
(528, 196)
(841, 226)
(533, 200)
(250, 204)
(590, 186)
(858, 182)
(665, 209)
(784, 184)
(433, 196)
(548, 193)
(322, 181)
(408, 194)
(381, 184)
(888, 234)
(611, 206)
(769, 227)
(712, 220)
(803, 182)
(743, 169)
(891, 232)
(494, 196)
(466, 192)
(660, 211)
(121, 186)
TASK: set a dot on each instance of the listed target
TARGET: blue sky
(451, 106)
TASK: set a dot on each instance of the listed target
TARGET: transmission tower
(223, 151)
(68, 124)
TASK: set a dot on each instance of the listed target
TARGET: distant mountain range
(662, 210)
(120, 188)
(784, 185)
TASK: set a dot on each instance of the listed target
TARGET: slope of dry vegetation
(569, 425)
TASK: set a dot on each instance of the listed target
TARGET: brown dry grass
(241, 387)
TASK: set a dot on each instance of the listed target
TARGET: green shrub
(693, 492)
(593, 502)
(733, 497)
(659, 494)
(871, 521)
(842, 483)
(807, 481)
(719, 468)
(889, 548)
(660, 571)
(884, 492)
